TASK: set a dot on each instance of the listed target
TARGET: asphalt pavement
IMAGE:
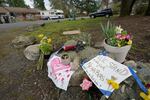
(9, 26)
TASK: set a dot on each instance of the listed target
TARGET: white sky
(47, 3)
(30, 3)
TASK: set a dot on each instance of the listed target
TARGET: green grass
(54, 30)
(84, 25)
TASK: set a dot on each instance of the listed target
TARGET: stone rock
(126, 94)
(98, 45)
(75, 64)
(77, 77)
(131, 63)
(32, 52)
(143, 71)
(23, 41)
(103, 98)
(88, 53)
(130, 81)
(70, 42)
(74, 93)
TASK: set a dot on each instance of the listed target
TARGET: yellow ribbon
(114, 84)
(145, 96)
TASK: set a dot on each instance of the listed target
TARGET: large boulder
(77, 77)
(23, 41)
(88, 53)
(32, 52)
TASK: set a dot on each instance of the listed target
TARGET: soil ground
(19, 79)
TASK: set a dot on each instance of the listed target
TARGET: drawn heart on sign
(56, 65)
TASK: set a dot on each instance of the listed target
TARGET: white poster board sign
(102, 68)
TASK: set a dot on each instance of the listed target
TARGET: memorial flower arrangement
(117, 41)
(45, 49)
(116, 36)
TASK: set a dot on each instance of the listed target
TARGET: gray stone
(23, 41)
(77, 77)
(144, 71)
(88, 53)
(98, 45)
(32, 52)
(123, 93)
(74, 93)
(130, 81)
(103, 98)
(131, 63)
(75, 63)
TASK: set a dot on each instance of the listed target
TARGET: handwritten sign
(102, 68)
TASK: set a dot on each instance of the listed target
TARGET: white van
(52, 14)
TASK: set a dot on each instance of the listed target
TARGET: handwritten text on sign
(102, 68)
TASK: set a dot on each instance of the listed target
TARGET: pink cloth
(59, 73)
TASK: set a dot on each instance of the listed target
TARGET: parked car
(52, 14)
(105, 12)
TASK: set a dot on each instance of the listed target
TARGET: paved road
(9, 26)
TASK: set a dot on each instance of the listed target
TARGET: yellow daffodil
(49, 40)
(41, 35)
(130, 42)
(114, 84)
(144, 96)
(118, 29)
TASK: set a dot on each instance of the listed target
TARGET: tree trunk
(148, 10)
(126, 7)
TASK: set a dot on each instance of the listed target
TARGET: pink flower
(86, 84)
(123, 37)
(128, 36)
(118, 36)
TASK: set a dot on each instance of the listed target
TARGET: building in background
(19, 13)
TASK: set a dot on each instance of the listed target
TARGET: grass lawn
(82, 24)
(55, 29)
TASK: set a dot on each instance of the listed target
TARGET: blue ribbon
(105, 92)
(138, 80)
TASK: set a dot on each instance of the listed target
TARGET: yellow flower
(119, 45)
(41, 35)
(49, 40)
(114, 84)
(130, 42)
(144, 96)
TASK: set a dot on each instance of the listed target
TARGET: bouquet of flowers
(116, 36)
(45, 48)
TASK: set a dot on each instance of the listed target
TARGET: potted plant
(117, 41)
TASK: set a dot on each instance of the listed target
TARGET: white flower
(118, 29)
